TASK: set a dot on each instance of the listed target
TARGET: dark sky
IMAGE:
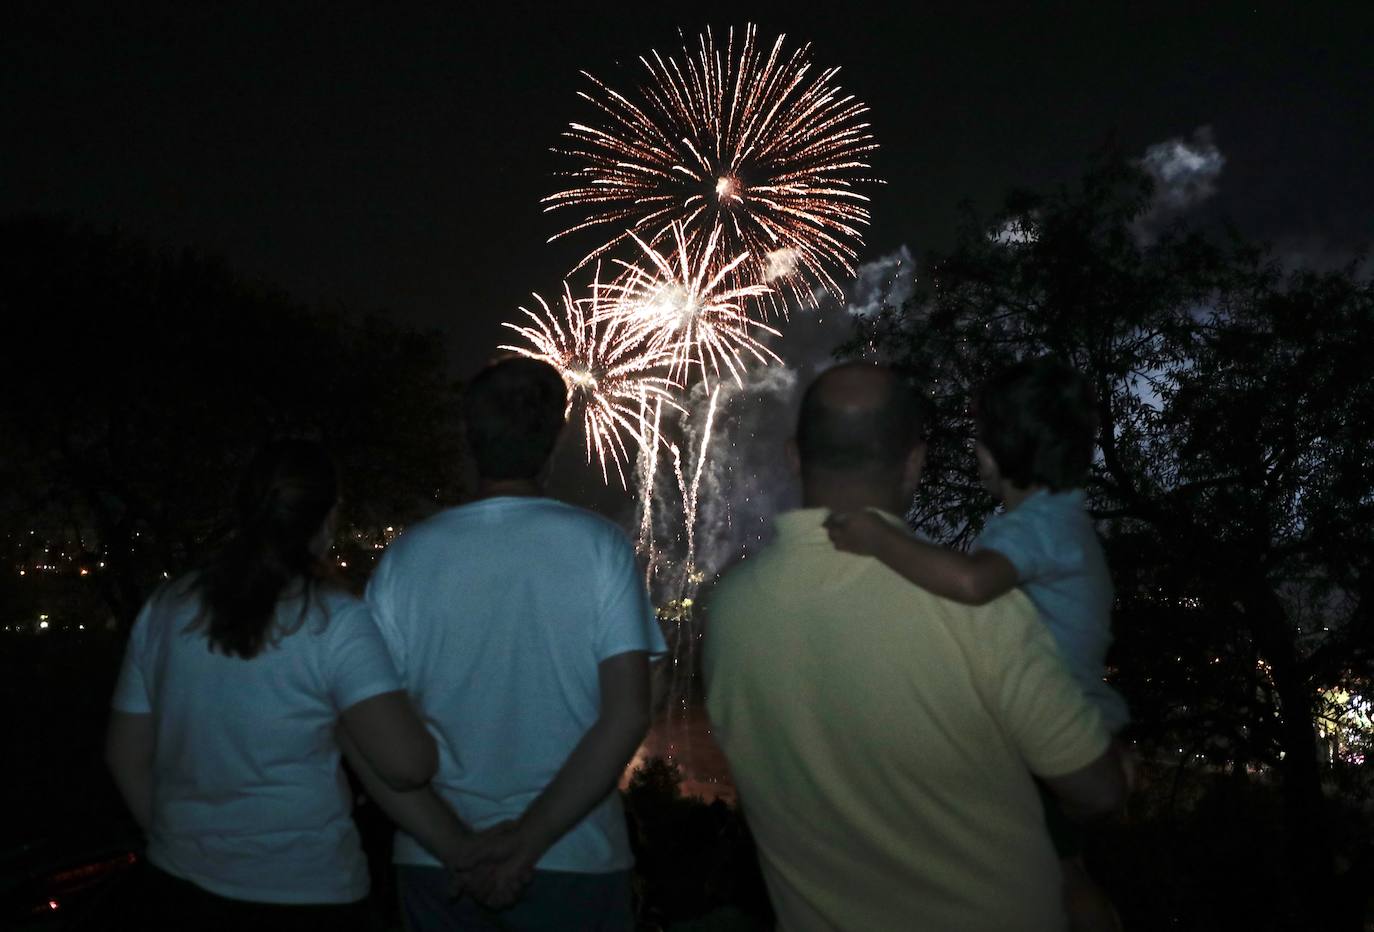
(391, 156)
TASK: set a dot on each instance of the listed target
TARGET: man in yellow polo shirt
(882, 739)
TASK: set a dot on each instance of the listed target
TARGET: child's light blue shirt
(1060, 566)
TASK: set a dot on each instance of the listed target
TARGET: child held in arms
(1036, 429)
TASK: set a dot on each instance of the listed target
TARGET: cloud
(1018, 231)
(885, 282)
(1318, 253)
(1185, 171)
(811, 335)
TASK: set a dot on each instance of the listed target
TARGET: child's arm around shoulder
(970, 578)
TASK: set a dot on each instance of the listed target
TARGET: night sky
(393, 159)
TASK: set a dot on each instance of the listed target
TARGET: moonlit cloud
(885, 282)
(1018, 231)
(1185, 171)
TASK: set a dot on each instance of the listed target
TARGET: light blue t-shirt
(249, 799)
(498, 614)
(1050, 540)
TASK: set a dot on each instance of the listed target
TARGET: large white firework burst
(745, 140)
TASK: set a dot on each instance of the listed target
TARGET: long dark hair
(283, 499)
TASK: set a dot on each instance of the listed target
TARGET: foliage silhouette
(1234, 482)
(138, 383)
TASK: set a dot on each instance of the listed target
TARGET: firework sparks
(610, 377)
(683, 308)
(747, 141)
(736, 171)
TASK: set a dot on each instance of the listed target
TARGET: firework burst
(741, 140)
(611, 378)
(684, 310)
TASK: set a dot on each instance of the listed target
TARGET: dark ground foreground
(1195, 850)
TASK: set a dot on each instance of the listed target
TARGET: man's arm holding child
(1059, 734)
(969, 578)
(1096, 789)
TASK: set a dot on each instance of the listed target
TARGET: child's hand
(858, 532)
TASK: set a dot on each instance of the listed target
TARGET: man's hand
(505, 857)
(494, 866)
(465, 852)
(860, 532)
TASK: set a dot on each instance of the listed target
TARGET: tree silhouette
(1235, 480)
(138, 383)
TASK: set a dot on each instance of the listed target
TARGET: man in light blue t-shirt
(522, 629)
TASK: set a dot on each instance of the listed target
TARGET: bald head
(858, 418)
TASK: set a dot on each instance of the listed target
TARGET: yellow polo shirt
(882, 741)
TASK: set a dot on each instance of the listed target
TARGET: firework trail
(677, 612)
(690, 491)
(610, 377)
(682, 309)
(748, 142)
(650, 430)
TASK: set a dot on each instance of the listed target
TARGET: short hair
(879, 436)
(1038, 419)
(513, 411)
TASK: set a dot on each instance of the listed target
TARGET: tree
(138, 382)
(1237, 456)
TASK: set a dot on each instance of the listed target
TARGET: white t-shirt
(498, 614)
(249, 799)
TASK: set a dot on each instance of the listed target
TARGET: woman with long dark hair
(222, 738)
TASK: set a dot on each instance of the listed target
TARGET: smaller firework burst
(683, 308)
(611, 378)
